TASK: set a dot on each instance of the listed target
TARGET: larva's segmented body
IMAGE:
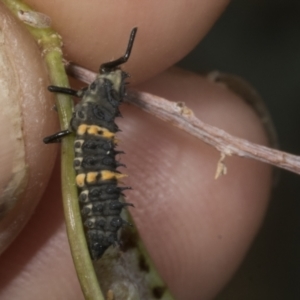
(95, 161)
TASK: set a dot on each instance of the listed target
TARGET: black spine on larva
(95, 152)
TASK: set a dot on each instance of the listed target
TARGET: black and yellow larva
(95, 155)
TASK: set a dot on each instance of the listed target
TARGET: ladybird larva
(95, 155)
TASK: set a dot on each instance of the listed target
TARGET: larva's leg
(56, 138)
(110, 66)
(62, 90)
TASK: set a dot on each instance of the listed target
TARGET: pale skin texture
(196, 229)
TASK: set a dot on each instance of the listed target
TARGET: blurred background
(259, 40)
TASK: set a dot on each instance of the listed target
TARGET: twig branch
(183, 117)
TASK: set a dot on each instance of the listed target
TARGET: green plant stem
(50, 44)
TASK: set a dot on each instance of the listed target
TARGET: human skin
(196, 229)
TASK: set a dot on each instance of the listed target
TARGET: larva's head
(101, 99)
(106, 88)
(109, 85)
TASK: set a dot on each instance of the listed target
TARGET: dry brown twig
(183, 117)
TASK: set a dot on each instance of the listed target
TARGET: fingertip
(96, 32)
(196, 228)
(25, 105)
(41, 252)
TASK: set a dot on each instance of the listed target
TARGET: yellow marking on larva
(107, 134)
(96, 130)
(107, 175)
(80, 178)
(81, 130)
(91, 177)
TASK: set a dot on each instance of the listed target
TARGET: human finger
(97, 31)
(197, 229)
